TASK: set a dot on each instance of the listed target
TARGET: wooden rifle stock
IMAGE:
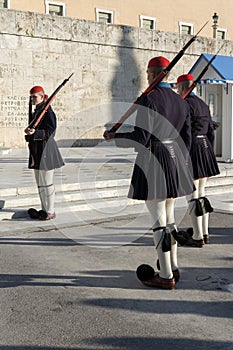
(38, 118)
(159, 78)
(194, 84)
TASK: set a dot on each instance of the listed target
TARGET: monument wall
(108, 62)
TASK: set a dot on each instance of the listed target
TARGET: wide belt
(200, 136)
(169, 145)
(165, 141)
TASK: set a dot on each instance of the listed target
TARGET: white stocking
(44, 180)
(202, 183)
(157, 211)
(50, 196)
(205, 218)
(158, 214)
(205, 224)
(171, 223)
(164, 257)
(40, 189)
(196, 222)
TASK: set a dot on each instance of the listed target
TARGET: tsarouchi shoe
(195, 243)
(50, 216)
(159, 282)
(42, 214)
(176, 273)
(47, 216)
(33, 213)
(206, 239)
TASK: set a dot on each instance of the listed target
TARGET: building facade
(216, 88)
(108, 61)
(178, 16)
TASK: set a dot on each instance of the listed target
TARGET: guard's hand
(109, 135)
(29, 131)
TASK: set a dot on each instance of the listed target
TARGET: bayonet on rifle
(159, 78)
(38, 118)
(194, 84)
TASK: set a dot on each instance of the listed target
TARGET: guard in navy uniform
(44, 155)
(162, 138)
(203, 161)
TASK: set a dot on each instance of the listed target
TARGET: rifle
(194, 84)
(37, 119)
(159, 78)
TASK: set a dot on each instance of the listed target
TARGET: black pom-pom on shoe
(190, 232)
(180, 236)
(42, 215)
(33, 213)
(145, 272)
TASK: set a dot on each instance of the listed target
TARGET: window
(185, 28)
(221, 33)
(147, 22)
(55, 8)
(104, 16)
(211, 104)
(5, 4)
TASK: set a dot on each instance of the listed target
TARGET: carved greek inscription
(59, 109)
(13, 111)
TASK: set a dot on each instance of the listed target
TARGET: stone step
(216, 181)
(211, 190)
(67, 197)
(108, 205)
(86, 196)
(73, 197)
(5, 150)
(219, 181)
(74, 186)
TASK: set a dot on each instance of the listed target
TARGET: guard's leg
(205, 227)
(170, 203)
(196, 219)
(40, 189)
(196, 214)
(47, 194)
(157, 210)
(32, 212)
(49, 190)
(207, 208)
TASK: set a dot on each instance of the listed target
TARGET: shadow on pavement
(192, 279)
(134, 343)
(154, 343)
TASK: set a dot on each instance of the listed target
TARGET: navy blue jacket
(161, 115)
(44, 153)
(201, 121)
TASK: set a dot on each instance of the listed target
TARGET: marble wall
(108, 62)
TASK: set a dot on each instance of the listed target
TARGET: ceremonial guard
(44, 155)
(203, 159)
(162, 138)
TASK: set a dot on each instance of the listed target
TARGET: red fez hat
(159, 61)
(36, 89)
(184, 77)
(46, 96)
